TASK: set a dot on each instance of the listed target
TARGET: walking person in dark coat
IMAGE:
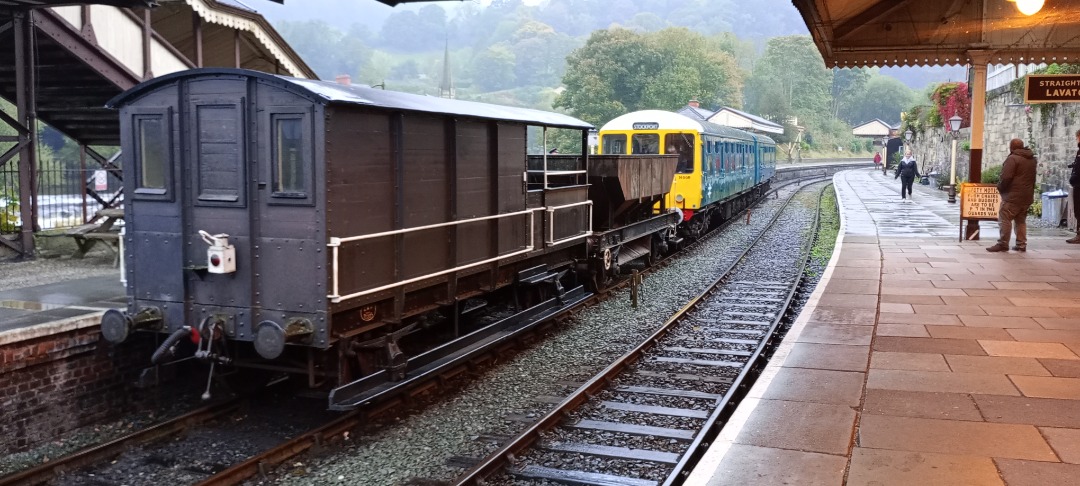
(907, 171)
(1017, 189)
(1074, 181)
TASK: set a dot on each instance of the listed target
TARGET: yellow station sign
(979, 201)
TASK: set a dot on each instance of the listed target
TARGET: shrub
(992, 175)
(869, 146)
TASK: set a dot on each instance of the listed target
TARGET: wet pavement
(43, 305)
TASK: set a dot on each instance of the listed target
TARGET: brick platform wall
(52, 384)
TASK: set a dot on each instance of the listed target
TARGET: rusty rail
(260, 463)
(45, 472)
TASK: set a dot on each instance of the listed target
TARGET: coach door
(218, 199)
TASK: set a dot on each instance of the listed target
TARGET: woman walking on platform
(907, 171)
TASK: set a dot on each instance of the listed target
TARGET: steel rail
(507, 454)
(92, 455)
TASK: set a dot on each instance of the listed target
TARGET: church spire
(446, 87)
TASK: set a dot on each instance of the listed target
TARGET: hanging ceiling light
(1029, 7)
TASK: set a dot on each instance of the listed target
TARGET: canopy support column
(979, 60)
(26, 115)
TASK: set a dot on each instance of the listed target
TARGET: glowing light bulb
(1029, 7)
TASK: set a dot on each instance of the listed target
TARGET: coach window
(614, 144)
(152, 151)
(290, 156)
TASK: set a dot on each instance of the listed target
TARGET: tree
(882, 97)
(540, 54)
(326, 49)
(793, 70)
(619, 70)
(493, 68)
(846, 83)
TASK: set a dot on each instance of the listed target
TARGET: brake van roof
(327, 92)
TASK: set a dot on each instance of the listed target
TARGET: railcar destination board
(646, 126)
(1052, 88)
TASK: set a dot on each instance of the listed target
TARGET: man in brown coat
(1017, 189)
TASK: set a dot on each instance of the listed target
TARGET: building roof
(868, 128)
(754, 122)
(696, 112)
(333, 93)
(935, 32)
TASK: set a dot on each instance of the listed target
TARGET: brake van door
(218, 202)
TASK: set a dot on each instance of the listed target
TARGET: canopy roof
(26, 4)
(853, 33)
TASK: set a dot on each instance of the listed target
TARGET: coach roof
(667, 120)
(327, 92)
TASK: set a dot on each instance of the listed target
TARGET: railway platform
(32, 312)
(918, 359)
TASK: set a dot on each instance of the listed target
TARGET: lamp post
(954, 129)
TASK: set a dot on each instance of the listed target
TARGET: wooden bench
(88, 235)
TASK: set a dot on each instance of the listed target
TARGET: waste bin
(1053, 206)
(924, 180)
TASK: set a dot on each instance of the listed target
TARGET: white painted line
(50, 328)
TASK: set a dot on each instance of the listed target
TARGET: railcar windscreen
(646, 143)
(614, 144)
(681, 144)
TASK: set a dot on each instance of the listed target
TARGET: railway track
(260, 463)
(58, 467)
(669, 397)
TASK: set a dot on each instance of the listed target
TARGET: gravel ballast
(418, 446)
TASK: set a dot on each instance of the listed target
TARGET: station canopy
(853, 33)
(25, 4)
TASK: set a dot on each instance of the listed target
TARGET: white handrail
(335, 243)
(551, 241)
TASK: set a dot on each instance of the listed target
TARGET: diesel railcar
(311, 227)
(720, 169)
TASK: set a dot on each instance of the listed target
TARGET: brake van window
(153, 154)
(289, 157)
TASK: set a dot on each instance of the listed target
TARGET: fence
(65, 196)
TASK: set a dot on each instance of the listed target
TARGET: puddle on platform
(30, 306)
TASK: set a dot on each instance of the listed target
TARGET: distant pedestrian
(877, 159)
(907, 172)
(1074, 181)
(1017, 189)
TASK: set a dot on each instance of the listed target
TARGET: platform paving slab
(973, 374)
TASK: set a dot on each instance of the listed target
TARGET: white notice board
(979, 201)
